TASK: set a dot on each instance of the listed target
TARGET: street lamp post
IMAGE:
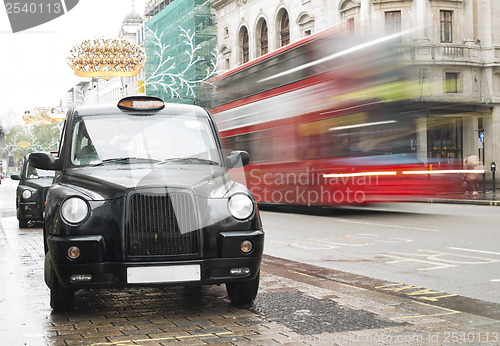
(493, 170)
(481, 146)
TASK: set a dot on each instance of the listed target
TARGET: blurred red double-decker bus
(325, 122)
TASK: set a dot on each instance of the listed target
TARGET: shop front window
(444, 139)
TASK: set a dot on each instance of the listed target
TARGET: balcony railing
(441, 52)
(453, 51)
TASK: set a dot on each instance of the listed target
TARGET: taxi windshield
(132, 139)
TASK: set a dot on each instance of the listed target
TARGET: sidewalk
(488, 198)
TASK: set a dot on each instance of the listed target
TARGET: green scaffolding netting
(181, 51)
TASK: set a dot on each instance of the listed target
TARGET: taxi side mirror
(15, 177)
(45, 161)
(237, 158)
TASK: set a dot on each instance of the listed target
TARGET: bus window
(238, 142)
(262, 146)
(273, 73)
(359, 134)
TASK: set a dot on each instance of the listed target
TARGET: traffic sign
(481, 137)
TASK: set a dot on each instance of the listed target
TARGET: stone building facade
(452, 48)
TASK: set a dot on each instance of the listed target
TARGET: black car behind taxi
(30, 193)
(142, 196)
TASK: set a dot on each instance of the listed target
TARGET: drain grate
(307, 316)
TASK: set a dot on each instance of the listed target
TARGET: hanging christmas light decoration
(44, 115)
(106, 58)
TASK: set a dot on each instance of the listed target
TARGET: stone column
(422, 19)
(422, 139)
(469, 136)
(493, 138)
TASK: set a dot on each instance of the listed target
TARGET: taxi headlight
(74, 210)
(240, 206)
(26, 194)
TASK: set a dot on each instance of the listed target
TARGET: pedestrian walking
(472, 163)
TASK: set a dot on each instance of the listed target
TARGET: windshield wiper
(127, 160)
(193, 160)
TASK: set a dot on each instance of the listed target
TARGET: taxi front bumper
(91, 269)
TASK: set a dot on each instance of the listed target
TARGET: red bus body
(325, 123)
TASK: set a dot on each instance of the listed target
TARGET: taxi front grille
(162, 225)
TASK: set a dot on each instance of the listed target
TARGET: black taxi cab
(30, 192)
(142, 196)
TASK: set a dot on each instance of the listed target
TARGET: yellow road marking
(131, 342)
(309, 276)
(351, 286)
(389, 285)
(418, 294)
(435, 299)
(448, 312)
(317, 277)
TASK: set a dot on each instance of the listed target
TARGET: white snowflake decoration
(177, 85)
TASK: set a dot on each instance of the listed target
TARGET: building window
(264, 38)
(446, 26)
(392, 22)
(225, 52)
(306, 24)
(451, 82)
(350, 26)
(245, 47)
(349, 10)
(284, 29)
(496, 81)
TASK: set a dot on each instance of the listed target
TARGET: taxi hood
(108, 182)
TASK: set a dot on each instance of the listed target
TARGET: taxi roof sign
(141, 103)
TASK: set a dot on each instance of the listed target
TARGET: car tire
(243, 292)
(45, 245)
(61, 298)
(23, 223)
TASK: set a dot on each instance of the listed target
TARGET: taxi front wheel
(23, 223)
(243, 292)
(61, 298)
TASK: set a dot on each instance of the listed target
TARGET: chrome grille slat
(162, 225)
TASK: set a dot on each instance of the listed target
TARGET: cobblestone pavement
(298, 304)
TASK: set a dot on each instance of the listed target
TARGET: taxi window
(36, 173)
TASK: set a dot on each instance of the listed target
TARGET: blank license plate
(159, 274)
